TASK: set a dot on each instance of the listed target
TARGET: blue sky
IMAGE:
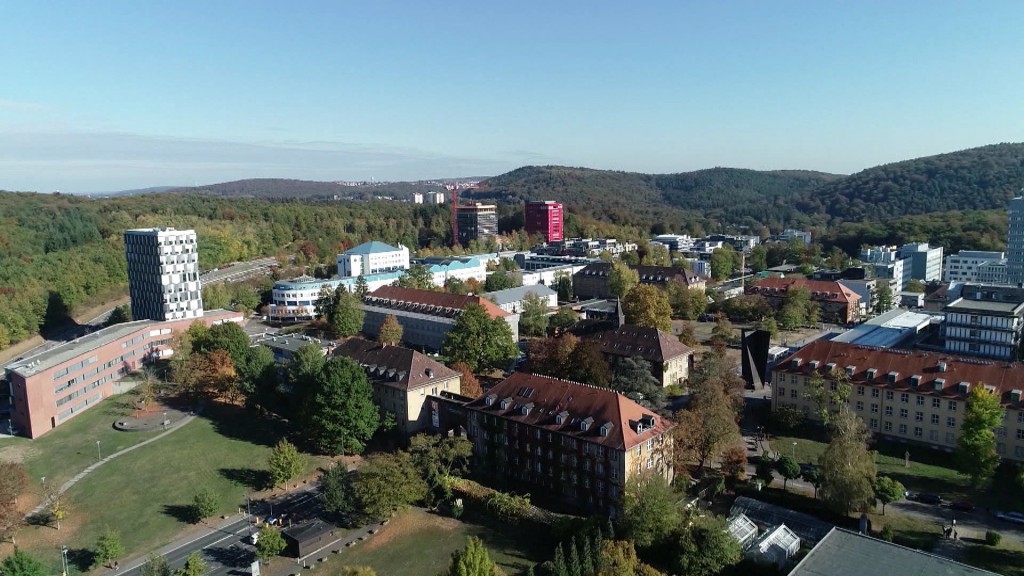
(103, 95)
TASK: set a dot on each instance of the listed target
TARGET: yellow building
(402, 379)
(909, 396)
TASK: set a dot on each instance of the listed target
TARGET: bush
(992, 538)
(887, 533)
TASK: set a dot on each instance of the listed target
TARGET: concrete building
(163, 274)
(571, 441)
(401, 380)
(435, 197)
(425, 316)
(985, 321)
(372, 258)
(909, 396)
(531, 262)
(417, 198)
(885, 262)
(513, 300)
(867, 289)
(837, 302)
(965, 265)
(457, 267)
(670, 359)
(284, 346)
(592, 281)
(52, 387)
(791, 234)
(1015, 243)
(545, 218)
(993, 273)
(295, 300)
(477, 221)
(675, 242)
(585, 247)
(925, 261)
(549, 276)
(893, 329)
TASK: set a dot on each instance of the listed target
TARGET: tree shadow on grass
(81, 558)
(244, 424)
(231, 555)
(181, 512)
(248, 477)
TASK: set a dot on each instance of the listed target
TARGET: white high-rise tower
(163, 274)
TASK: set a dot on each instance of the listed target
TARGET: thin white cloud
(18, 106)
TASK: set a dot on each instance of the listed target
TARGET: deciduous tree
(883, 297)
(563, 318)
(647, 306)
(482, 342)
(391, 331)
(108, 548)
(270, 543)
(336, 491)
(888, 490)
(156, 566)
(704, 428)
(649, 512)
(847, 468)
(622, 279)
(285, 462)
(439, 459)
(765, 471)
(618, 558)
(734, 463)
(587, 364)
(194, 566)
(343, 414)
(417, 276)
(469, 385)
(502, 280)
(258, 376)
(204, 504)
(387, 481)
(533, 318)
(704, 547)
(21, 563)
(348, 314)
(976, 453)
(13, 481)
(788, 468)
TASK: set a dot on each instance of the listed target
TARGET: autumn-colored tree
(587, 365)
(390, 331)
(13, 481)
(686, 334)
(622, 279)
(647, 306)
(550, 356)
(734, 463)
(847, 468)
(217, 371)
(469, 384)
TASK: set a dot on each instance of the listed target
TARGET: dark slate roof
(578, 410)
(394, 365)
(650, 344)
(647, 274)
(845, 553)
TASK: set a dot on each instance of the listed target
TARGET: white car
(1015, 517)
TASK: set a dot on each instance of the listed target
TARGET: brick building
(592, 281)
(574, 442)
(670, 359)
(837, 302)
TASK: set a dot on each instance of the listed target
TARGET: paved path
(67, 485)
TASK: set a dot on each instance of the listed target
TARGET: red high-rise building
(545, 218)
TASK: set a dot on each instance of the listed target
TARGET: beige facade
(412, 416)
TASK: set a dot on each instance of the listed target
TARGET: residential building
(925, 261)
(545, 218)
(837, 302)
(985, 321)
(845, 553)
(910, 396)
(401, 380)
(675, 242)
(1015, 243)
(435, 197)
(592, 281)
(867, 289)
(965, 265)
(54, 386)
(670, 359)
(417, 198)
(792, 234)
(163, 274)
(570, 441)
(477, 221)
(512, 300)
(372, 258)
(426, 316)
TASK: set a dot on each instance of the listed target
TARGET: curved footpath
(67, 485)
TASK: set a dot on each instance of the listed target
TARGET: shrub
(992, 538)
(887, 533)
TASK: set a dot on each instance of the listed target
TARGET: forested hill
(975, 179)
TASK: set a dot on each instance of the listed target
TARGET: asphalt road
(226, 549)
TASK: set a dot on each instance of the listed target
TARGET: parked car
(1015, 517)
(926, 498)
(806, 469)
(963, 506)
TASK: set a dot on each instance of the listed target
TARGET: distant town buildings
(975, 266)
(925, 261)
(372, 258)
(792, 234)
(1015, 243)
(585, 247)
(477, 221)
(574, 442)
(545, 218)
(513, 300)
(435, 197)
(674, 242)
(163, 274)
(417, 198)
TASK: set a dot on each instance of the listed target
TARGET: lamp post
(248, 512)
(794, 451)
(165, 420)
(64, 558)
(99, 456)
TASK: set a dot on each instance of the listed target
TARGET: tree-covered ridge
(982, 178)
(281, 188)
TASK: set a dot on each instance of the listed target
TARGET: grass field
(145, 494)
(417, 543)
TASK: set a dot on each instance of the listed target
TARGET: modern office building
(571, 441)
(674, 242)
(477, 221)
(925, 261)
(969, 266)
(372, 258)
(792, 234)
(886, 263)
(985, 321)
(417, 198)
(1015, 243)
(910, 396)
(546, 219)
(52, 387)
(163, 274)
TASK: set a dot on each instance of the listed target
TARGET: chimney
(942, 366)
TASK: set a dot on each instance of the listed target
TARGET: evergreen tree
(362, 289)
(348, 314)
(587, 567)
(472, 561)
(574, 565)
(559, 567)
(21, 563)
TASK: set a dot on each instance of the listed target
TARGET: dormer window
(830, 367)
(892, 377)
(561, 417)
(525, 408)
(871, 374)
(963, 387)
(850, 370)
(795, 363)
(814, 364)
(490, 399)
(586, 423)
(915, 380)
(606, 428)
(938, 384)
(505, 403)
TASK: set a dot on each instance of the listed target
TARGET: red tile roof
(582, 409)
(930, 367)
(651, 344)
(428, 298)
(394, 365)
(827, 290)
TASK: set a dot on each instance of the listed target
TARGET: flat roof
(289, 342)
(991, 306)
(58, 355)
(511, 295)
(845, 553)
(889, 329)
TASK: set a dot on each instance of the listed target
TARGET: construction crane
(455, 214)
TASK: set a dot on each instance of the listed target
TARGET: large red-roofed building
(837, 302)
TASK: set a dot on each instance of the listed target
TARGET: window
(782, 392)
(888, 426)
(1018, 451)
(920, 400)
(918, 432)
(860, 406)
(950, 438)
(903, 413)
(933, 435)
(905, 398)
(860, 390)
(874, 408)
(936, 403)
(950, 422)
(1001, 431)
(889, 394)
(903, 428)
(888, 410)
(951, 406)
(935, 418)
(1020, 417)
(792, 393)
(874, 424)
(874, 392)
(1020, 434)
(792, 379)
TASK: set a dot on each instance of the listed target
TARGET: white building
(372, 258)
(460, 268)
(985, 321)
(512, 300)
(549, 276)
(925, 261)
(674, 242)
(886, 263)
(707, 246)
(791, 234)
(993, 272)
(295, 300)
(966, 265)
(435, 197)
(417, 198)
(163, 274)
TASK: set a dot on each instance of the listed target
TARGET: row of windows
(74, 367)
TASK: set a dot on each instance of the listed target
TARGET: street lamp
(64, 558)
(794, 451)
(165, 420)
(99, 456)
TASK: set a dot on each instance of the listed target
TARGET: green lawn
(144, 495)
(417, 543)
(998, 560)
(70, 448)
